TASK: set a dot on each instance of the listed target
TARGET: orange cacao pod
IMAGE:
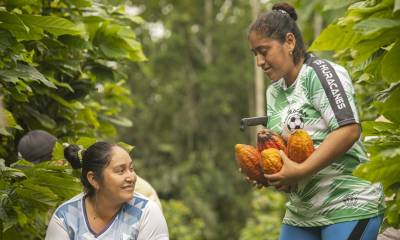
(249, 160)
(271, 160)
(300, 146)
(269, 139)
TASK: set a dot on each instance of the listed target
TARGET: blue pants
(367, 229)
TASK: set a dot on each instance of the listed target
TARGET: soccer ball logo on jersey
(293, 121)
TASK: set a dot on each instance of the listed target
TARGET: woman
(325, 200)
(108, 208)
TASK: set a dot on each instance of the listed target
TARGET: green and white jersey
(320, 102)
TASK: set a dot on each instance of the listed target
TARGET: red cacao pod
(269, 139)
(249, 160)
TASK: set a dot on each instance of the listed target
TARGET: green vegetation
(174, 78)
(366, 41)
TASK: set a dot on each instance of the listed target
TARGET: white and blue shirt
(138, 219)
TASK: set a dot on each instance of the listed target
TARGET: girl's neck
(291, 77)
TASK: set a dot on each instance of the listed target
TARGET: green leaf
(368, 47)
(390, 107)
(86, 141)
(126, 146)
(373, 26)
(390, 64)
(42, 197)
(396, 5)
(12, 173)
(374, 128)
(12, 23)
(90, 117)
(44, 119)
(21, 3)
(58, 152)
(60, 100)
(334, 38)
(21, 217)
(25, 72)
(54, 25)
(332, 5)
(81, 3)
(63, 186)
(10, 120)
(380, 170)
(120, 121)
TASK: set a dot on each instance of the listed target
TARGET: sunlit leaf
(55, 25)
(390, 64)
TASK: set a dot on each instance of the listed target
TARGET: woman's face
(119, 177)
(273, 57)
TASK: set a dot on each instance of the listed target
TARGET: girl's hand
(283, 188)
(253, 182)
(290, 173)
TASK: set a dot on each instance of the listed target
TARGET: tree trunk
(208, 14)
(259, 91)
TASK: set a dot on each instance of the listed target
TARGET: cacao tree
(366, 40)
(63, 68)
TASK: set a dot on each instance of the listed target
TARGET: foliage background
(174, 78)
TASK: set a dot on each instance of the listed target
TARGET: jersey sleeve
(56, 230)
(153, 225)
(332, 94)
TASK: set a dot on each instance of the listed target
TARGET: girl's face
(119, 177)
(273, 57)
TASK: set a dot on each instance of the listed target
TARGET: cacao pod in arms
(271, 161)
(249, 160)
(300, 146)
(269, 139)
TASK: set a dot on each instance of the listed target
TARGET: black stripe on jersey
(334, 91)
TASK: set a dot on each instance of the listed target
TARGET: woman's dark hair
(277, 23)
(94, 159)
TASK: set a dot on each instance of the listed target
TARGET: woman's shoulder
(139, 204)
(71, 205)
(139, 201)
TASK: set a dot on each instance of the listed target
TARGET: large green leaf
(331, 5)
(55, 25)
(380, 170)
(10, 173)
(44, 119)
(40, 196)
(374, 128)
(367, 48)
(363, 9)
(373, 26)
(117, 41)
(390, 64)
(390, 107)
(334, 38)
(25, 72)
(12, 23)
(65, 187)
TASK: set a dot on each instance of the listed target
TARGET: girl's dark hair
(277, 23)
(94, 159)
